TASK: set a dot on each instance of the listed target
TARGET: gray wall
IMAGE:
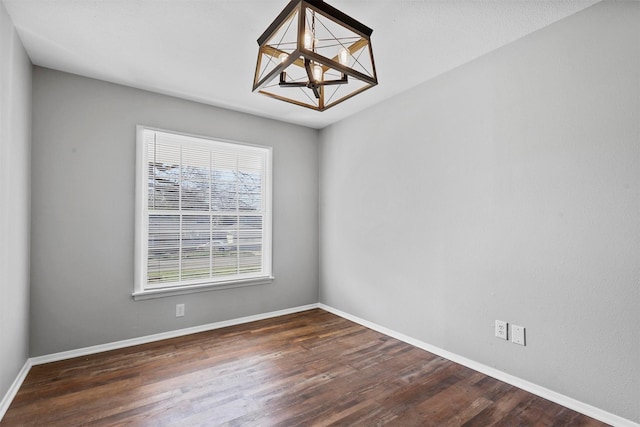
(83, 187)
(506, 189)
(15, 145)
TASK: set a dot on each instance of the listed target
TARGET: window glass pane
(224, 190)
(163, 258)
(196, 246)
(164, 176)
(250, 229)
(195, 178)
(225, 245)
(249, 191)
(250, 258)
(250, 244)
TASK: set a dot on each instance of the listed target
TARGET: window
(203, 217)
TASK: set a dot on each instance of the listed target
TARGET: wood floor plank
(305, 369)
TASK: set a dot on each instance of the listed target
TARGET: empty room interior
(436, 221)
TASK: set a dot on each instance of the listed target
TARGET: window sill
(182, 290)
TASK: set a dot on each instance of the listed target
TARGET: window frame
(142, 212)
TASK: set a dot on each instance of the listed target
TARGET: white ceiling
(205, 50)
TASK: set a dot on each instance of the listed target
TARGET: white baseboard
(55, 357)
(164, 335)
(13, 390)
(543, 392)
(551, 395)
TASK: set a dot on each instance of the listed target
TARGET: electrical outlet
(179, 310)
(517, 334)
(501, 329)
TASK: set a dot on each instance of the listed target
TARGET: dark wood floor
(307, 369)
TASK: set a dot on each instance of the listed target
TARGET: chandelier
(314, 56)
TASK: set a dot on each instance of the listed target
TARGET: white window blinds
(204, 211)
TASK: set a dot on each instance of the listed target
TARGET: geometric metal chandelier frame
(315, 56)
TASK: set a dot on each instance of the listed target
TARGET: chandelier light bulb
(308, 40)
(283, 57)
(317, 73)
(343, 56)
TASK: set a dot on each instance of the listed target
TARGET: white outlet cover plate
(517, 334)
(179, 310)
(501, 329)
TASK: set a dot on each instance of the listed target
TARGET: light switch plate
(517, 334)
